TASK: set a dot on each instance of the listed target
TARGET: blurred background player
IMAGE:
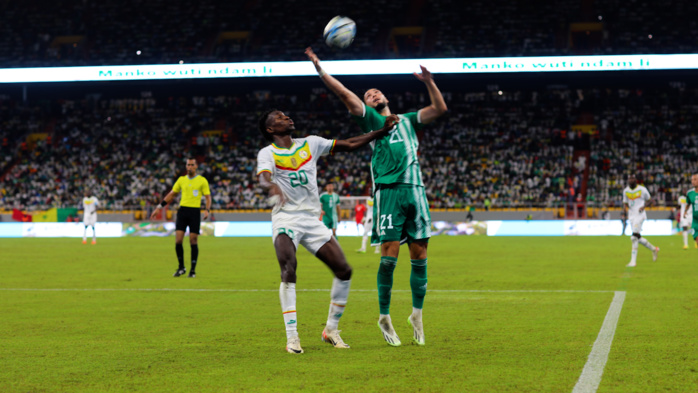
(684, 219)
(635, 199)
(287, 172)
(368, 225)
(329, 214)
(402, 209)
(359, 213)
(691, 201)
(89, 215)
(192, 187)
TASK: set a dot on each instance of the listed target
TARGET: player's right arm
(272, 189)
(166, 201)
(353, 143)
(351, 100)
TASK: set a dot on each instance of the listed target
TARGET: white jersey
(89, 206)
(636, 199)
(294, 170)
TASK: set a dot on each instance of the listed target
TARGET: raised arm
(351, 100)
(356, 142)
(165, 201)
(438, 106)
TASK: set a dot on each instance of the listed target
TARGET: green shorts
(694, 226)
(401, 213)
(329, 222)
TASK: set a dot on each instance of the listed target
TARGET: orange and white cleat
(655, 254)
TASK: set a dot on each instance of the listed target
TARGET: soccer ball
(340, 32)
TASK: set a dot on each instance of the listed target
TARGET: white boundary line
(590, 379)
(297, 290)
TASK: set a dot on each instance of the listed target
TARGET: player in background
(402, 209)
(684, 220)
(192, 187)
(368, 223)
(691, 196)
(329, 214)
(635, 198)
(359, 213)
(89, 215)
(287, 171)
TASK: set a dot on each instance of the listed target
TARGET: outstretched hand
(390, 122)
(313, 57)
(425, 76)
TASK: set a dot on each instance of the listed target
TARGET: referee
(192, 187)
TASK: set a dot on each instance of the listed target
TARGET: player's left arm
(438, 105)
(356, 142)
(207, 195)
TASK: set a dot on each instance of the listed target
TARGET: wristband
(163, 203)
(322, 73)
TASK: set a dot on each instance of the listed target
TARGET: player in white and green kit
(691, 196)
(329, 200)
(401, 210)
(287, 171)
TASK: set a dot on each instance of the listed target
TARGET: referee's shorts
(188, 217)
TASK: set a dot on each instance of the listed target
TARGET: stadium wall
(537, 214)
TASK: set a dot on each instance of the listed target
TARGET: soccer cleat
(655, 254)
(631, 264)
(685, 247)
(333, 338)
(418, 328)
(84, 242)
(180, 272)
(389, 334)
(361, 250)
(293, 345)
(94, 242)
(191, 275)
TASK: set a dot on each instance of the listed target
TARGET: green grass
(508, 322)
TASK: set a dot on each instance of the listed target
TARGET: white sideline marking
(297, 290)
(593, 370)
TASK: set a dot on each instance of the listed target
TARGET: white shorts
(303, 228)
(90, 221)
(636, 224)
(686, 222)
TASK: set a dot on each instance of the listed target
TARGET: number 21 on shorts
(384, 218)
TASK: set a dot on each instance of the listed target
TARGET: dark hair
(263, 124)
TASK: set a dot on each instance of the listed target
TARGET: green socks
(418, 282)
(385, 283)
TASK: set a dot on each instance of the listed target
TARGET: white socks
(633, 255)
(287, 295)
(417, 313)
(338, 300)
(646, 243)
(685, 238)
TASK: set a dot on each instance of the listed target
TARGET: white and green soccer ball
(340, 32)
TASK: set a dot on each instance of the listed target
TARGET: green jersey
(329, 203)
(691, 200)
(395, 159)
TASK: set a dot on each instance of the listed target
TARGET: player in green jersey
(329, 215)
(691, 196)
(401, 210)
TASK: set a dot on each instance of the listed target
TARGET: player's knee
(344, 273)
(288, 274)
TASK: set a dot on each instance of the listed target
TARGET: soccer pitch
(501, 315)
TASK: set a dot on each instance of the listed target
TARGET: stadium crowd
(493, 148)
(75, 32)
